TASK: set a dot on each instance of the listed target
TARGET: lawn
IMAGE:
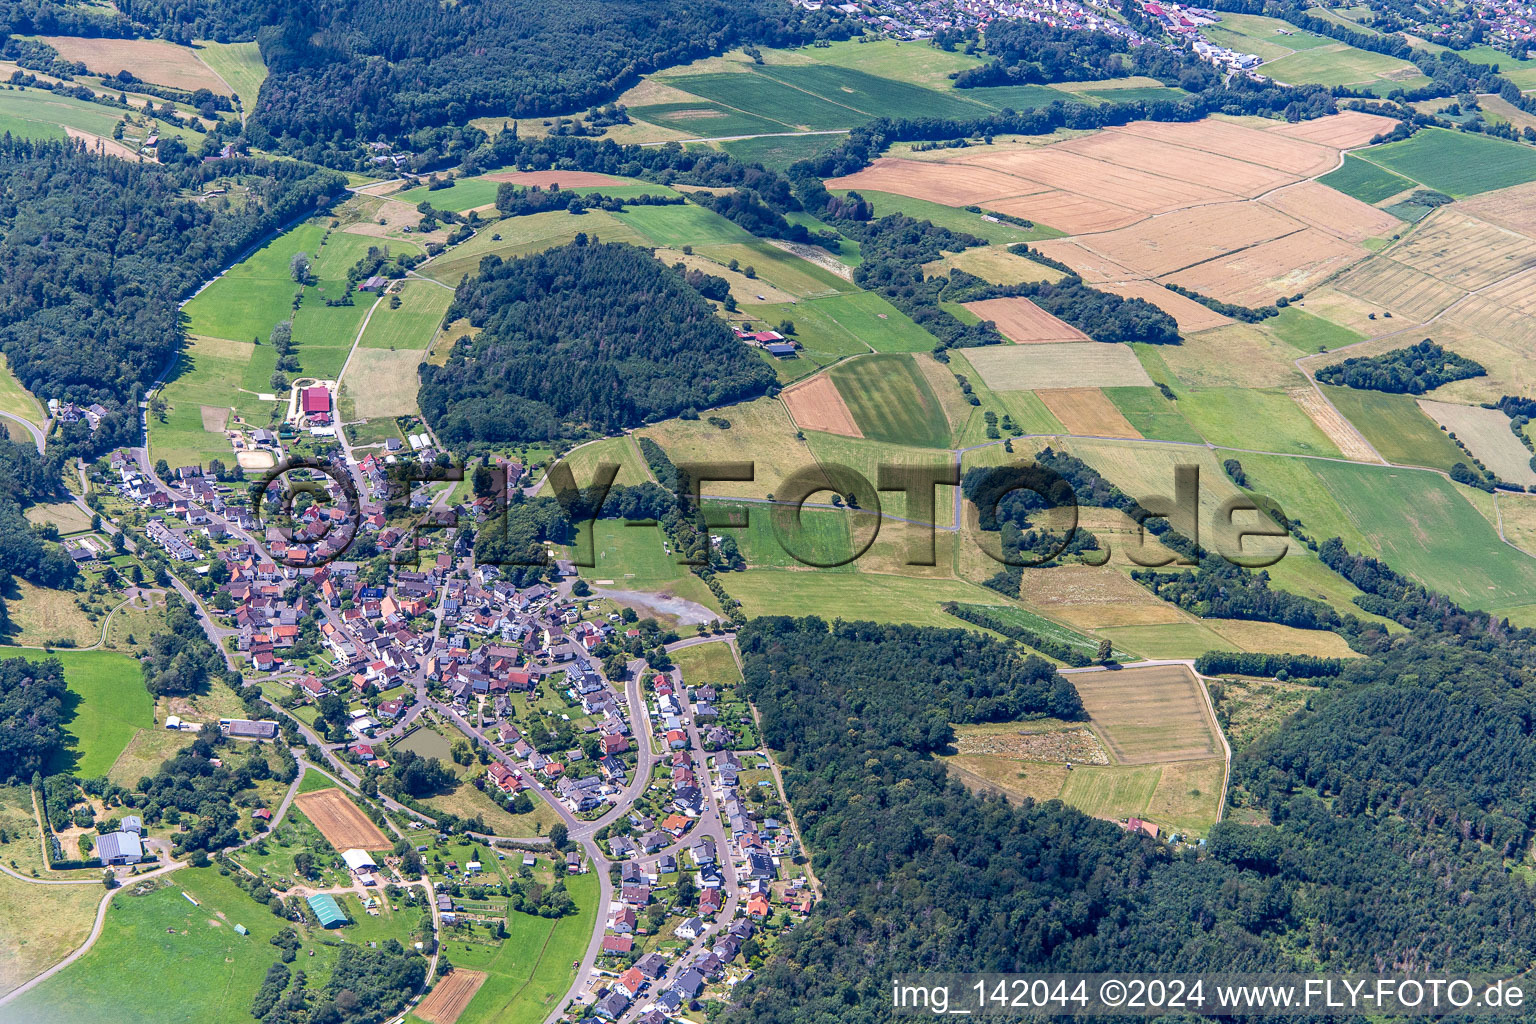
(197, 968)
(880, 97)
(529, 971)
(1396, 427)
(711, 664)
(1457, 163)
(1365, 181)
(954, 218)
(629, 553)
(1421, 525)
(239, 64)
(768, 98)
(891, 401)
(106, 706)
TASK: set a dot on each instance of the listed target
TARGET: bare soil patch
(342, 822)
(448, 998)
(815, 404)
(215, 419)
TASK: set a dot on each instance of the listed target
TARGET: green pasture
(422, 305)
(767, 534)
(106, 706)
(872, 94)
(1308, 333)
(239, 64)
(1151, 414)
(1396, 427)
(769, 98)
(954, 218)
(891, 401)
(1266, 420)
(707, 120)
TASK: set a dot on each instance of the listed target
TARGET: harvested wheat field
(1088, 264)
(1174, 160)
(1087, 412)
(1024, 323)
(1071, 364)
(1258, 275)
(1190, 315)
(1513, 208)
(1092, 598)
(1059, 167)
(1150, 715)
(450, 996)
(1344, 130)
(342, 823)
(1185, 238)
(1384, 282)
(1274, 638)
(1297, 158)
(565, 179)
(153, 60)
(1067, 211)
(952, 184)
(1463, 251)
(1334, 212)
(1506, 311)
(1332, 423)
(816, 404)
(1486, 434)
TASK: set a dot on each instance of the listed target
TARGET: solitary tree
(299, 267)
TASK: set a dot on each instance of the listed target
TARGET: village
(362, 616)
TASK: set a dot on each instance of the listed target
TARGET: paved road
(38, 435)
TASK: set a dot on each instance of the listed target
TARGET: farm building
(358, 861)
(325, 908)
(241, 728)
(119, 848)
(316, 404)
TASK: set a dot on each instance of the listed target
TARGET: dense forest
(588, 336)
(26, 478)
(1403, 371)
(31, 716)
(98, 252)
(181, 660)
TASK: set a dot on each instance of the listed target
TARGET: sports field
(891, 401)
(1457, 163)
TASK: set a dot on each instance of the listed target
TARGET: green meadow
(771, 536)
(422, 305)
(1365, 181)
(891, 401)
(1396, 427)
(707, 120)
(765, 97)
(106, 706)
(239, 64)
(1459, 164)
(1152, 415)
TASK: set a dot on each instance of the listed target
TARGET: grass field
(1396, 427)
(866, 318)
(874, 95)
(707, 664)
(778, 153)
(1341, 64)
(891, 58)
(1422, 526)
(41, 617)
(1486, 434)
(704, 119)
(523, 235)
(203, 971)
(1457, 163)
(1014, 615)
(681, 225)
(1365, 181)
(463, 194)
(767, 98)
(530, 970)
(1250, 418)
(39, 926)
(891, 401)
(14, 398)
(422, 305)
(1152, 415)
(1308, 333)
(39, 114)
(240, 65)
(631, 555)
(773, 536)
(863, 595)
(106, 706)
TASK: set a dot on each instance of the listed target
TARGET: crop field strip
(1486, 434)
(1024, 323)
(448, 998)
(1457, 163)
(340, 821)
(1058, 365)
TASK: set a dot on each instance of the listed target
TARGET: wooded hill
(586, 337)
